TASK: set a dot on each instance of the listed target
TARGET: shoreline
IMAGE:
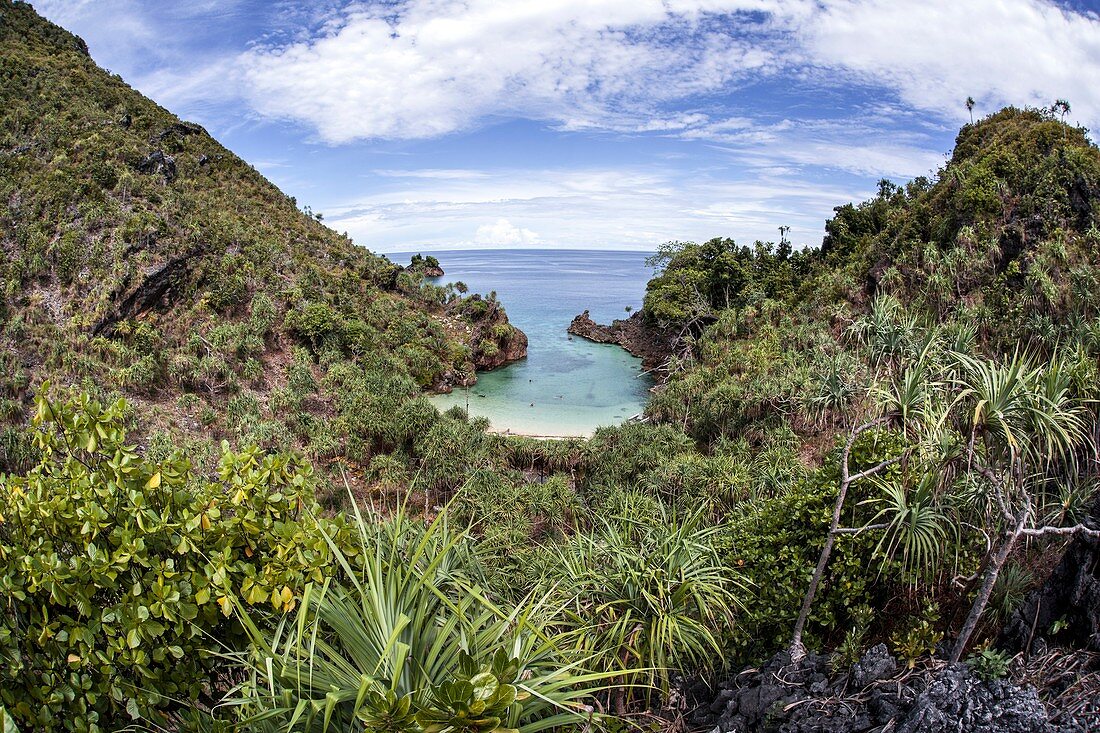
(508, 432)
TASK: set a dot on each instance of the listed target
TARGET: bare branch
(875, 469)
(1077, 529)
(857, 530)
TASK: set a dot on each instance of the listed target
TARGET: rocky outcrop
(153, 290)
(956, 700)
(875, 694)
(1066, 608)
(653, 344)
(493, 341)
(158, 162)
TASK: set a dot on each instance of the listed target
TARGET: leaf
(7, 725)
(132, 709)
(154, 481)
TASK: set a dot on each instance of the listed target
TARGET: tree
(1061, 108)
(797, 648)
(970, 108)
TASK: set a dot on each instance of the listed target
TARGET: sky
(590, 124)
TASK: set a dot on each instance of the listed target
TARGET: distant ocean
(566, 385)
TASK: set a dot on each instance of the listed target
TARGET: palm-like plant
(650, 594)
(395, 637)
(917, 528)
(1025, 426)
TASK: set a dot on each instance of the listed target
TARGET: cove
(566, 386)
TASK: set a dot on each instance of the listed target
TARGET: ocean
(566, 386)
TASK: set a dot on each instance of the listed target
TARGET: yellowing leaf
(226, 604)
(154, 481)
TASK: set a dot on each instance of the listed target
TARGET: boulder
(958, 702)
(158, 162)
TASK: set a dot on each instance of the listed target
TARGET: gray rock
(876, 664)
(958, 702)
(158, 162)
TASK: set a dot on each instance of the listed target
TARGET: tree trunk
(986, 590)
(797, 649)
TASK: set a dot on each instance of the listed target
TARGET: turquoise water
(566, 385)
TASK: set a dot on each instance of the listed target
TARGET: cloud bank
(426, 68)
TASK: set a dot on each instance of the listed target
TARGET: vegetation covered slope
(139, 255)
(1003, 241)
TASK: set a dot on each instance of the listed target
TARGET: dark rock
(158, 162)
(885, 705)
(653, 344)
(1070, 595)
(956, 700)
(204, 160)
(875, 696)
(153, 290)
(877, 664)
(125, 121)
(181, 129)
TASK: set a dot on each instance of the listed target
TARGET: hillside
(140, 256)
(1000, 248)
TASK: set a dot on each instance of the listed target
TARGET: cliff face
(654, 345)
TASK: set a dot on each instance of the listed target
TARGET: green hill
(141, 256)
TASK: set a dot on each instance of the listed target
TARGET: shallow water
(566, 385)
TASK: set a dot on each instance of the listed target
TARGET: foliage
(408, 630)
(648, 593)
(119, 570)
(919, 636)
(989, 664)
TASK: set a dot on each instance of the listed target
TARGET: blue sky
(611, 124)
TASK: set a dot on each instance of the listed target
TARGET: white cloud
(430, 67)
(502, 233)
(599, 208)
(425, 68)
(935, 53)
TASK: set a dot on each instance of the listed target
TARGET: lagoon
(566, 386)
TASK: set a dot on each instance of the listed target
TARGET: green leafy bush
(121, 572)
(989, 664)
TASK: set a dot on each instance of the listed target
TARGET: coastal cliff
(654, 345)
(491, 340)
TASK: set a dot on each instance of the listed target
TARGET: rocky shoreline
(653, 344)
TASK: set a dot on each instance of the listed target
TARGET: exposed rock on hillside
(875, 694)
(652, 344)
(492, 341)
(1066, 609)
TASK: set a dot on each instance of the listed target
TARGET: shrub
(119, 571)
(410, 643)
